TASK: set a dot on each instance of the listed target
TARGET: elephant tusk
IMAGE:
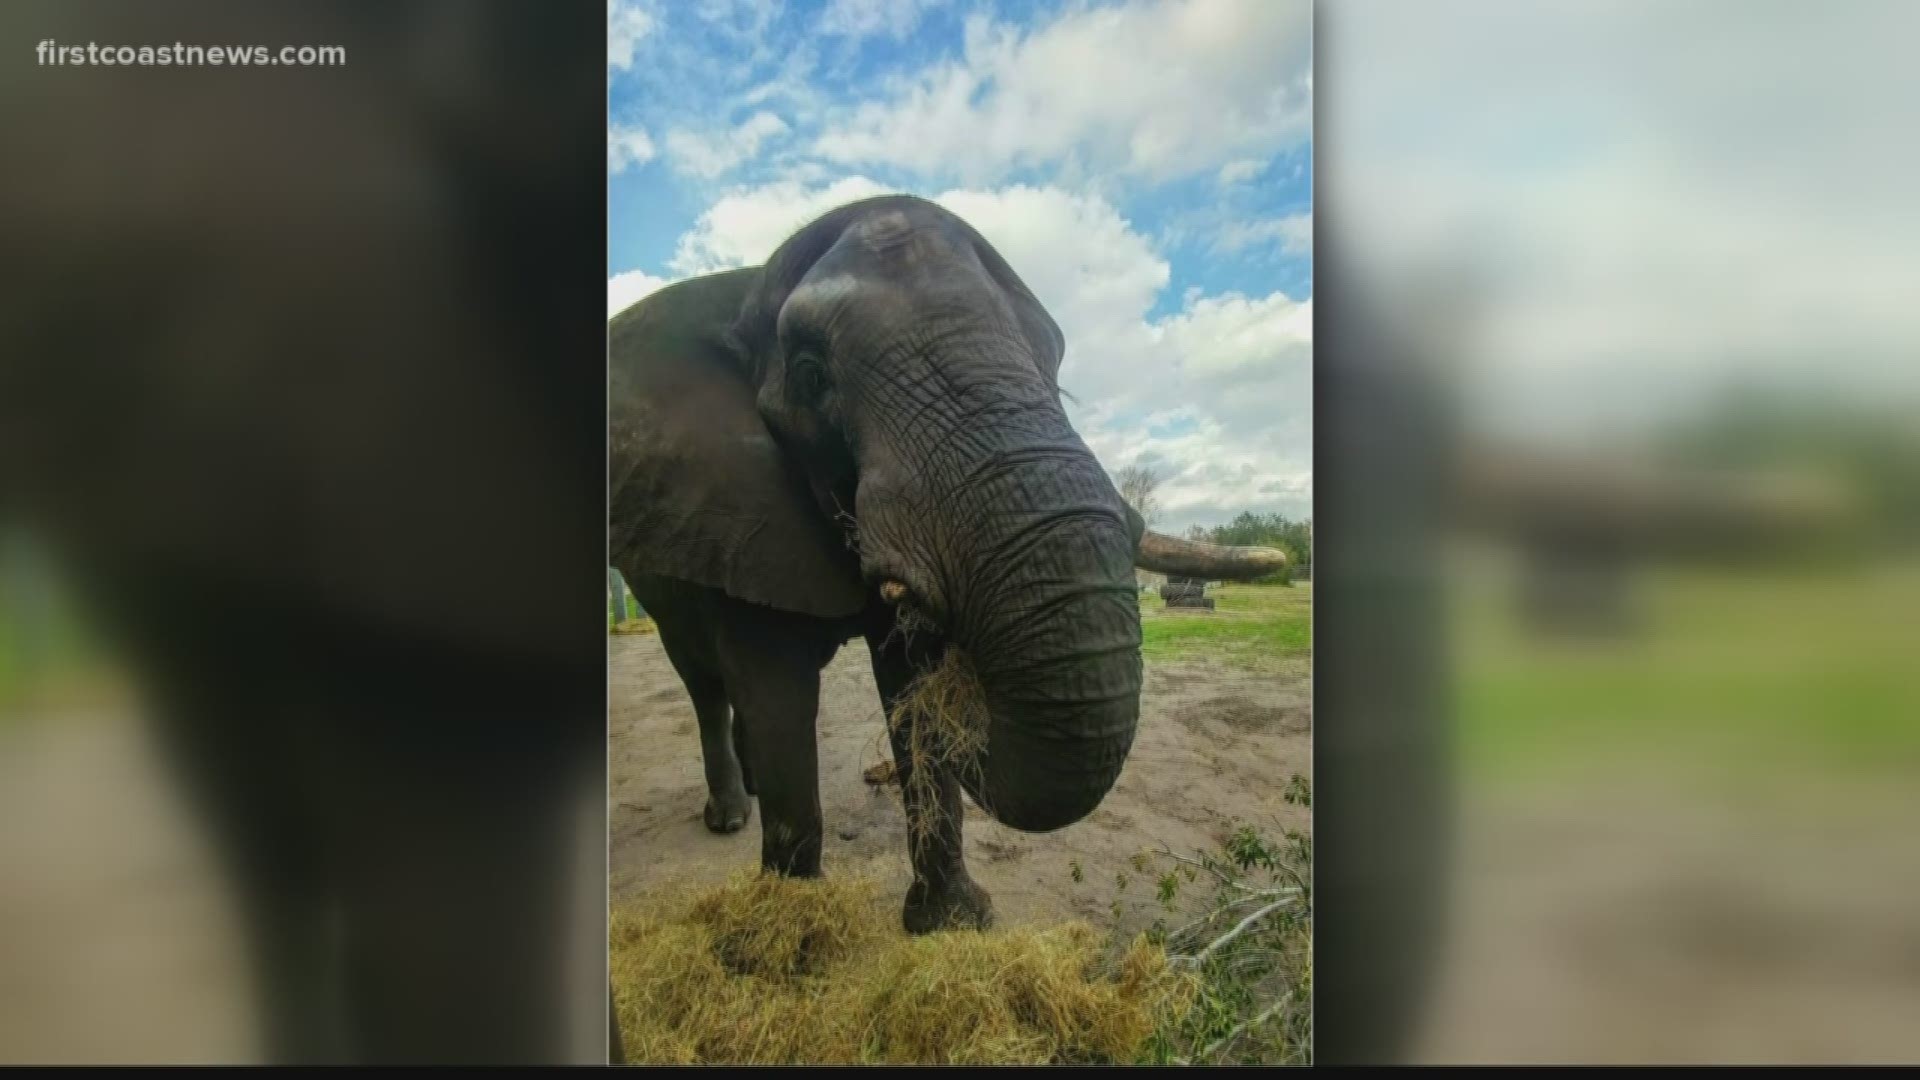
(1191, 558)
(892, 592)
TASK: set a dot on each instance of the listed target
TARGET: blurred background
(1649, 271)
(302, 536)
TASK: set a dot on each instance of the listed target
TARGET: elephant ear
(698, 490)
(1042, 333)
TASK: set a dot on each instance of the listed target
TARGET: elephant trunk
(1211, 562)
(1059, 660)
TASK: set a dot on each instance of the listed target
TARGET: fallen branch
(1242, 1028)
(1245, 924)
(1215, 913)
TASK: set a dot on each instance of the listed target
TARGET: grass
(1252, 626)
(633, 612)
(771, 970)
(1754, 672)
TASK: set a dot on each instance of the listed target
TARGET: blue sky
(1145, 167)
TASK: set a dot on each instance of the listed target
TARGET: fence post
(618, 590)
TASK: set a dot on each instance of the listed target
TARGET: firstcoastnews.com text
(53, 54)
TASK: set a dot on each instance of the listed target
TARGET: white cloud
(1241, 171)
(1220, 401)
(859, 19)
(1292, 234)
(628, 146)
(1211, 471)
(627, 23)
(1231, 339)
(745, 226)
(1154, 89)
(709, 155)
(626, 289)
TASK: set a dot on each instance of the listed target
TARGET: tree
(1137, 484)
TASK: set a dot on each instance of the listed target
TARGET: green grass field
(1252, 626)
(1756, 672)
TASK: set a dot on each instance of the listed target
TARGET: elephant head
(911, 375)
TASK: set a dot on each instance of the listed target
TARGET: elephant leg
(774, 682)
(943, 895)
(780, 712)
(473, 894)
(682, 633)
(728, 802)
(269, 847)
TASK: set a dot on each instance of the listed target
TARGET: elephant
(865, 432)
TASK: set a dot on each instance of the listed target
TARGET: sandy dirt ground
(120, 940)
(117, 941)
(1648, 923)
(1215, 746)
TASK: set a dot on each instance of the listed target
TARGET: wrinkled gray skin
(877, 404)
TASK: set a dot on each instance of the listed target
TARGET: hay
(772, 970)
(641, 625)
(944, 715)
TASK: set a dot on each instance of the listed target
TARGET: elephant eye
(809, 377)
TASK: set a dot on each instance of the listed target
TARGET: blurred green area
(48, 656)
(1253, 626)
(1747, 673)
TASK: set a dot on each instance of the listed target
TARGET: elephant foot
(959, 904)
(728, 815)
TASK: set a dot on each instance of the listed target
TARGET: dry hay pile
(772, 970)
